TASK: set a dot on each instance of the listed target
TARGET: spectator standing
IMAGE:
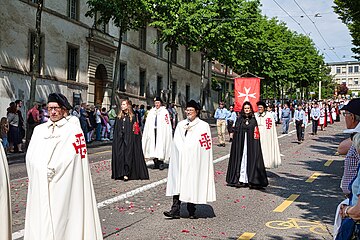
(220, 116)
(105, 130)
(44, 113)
(112, 117)
(32, 119)
(84, 120)
(4, 130)
(230, 122)
(285, 118)
(97, 114)
(14, 129)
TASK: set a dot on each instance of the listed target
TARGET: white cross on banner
(246, 90)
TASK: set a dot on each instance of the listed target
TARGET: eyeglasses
(346, 113)
(53, 108)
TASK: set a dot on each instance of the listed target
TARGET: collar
(59, 123)
(192, 123)
(353, 130)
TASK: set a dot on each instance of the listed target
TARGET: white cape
(191, 169)
(160, 150)
(268, 140)
(5, 197)
(61, 203)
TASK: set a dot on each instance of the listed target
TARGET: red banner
(246, 90)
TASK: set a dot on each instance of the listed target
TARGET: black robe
(127, 155)
(255, 164)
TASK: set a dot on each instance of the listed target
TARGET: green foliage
(126, 14)
(349, 12)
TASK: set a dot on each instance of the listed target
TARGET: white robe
(5, 197)
(191, 169)
(268, 140)
(61, 203)
(161, 149)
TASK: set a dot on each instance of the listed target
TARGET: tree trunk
(35, 60)
(203, 61)
(116, 70)
(226, 100)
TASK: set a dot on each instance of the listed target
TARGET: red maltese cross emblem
(79, 145)
(268, 123)
(205, 141)
(167, 119)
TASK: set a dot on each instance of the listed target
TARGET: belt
(221, 118)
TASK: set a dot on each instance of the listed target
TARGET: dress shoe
(241, 185)
(171, 215)
(219, 145)
(161, 166)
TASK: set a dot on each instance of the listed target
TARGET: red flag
(246, 89)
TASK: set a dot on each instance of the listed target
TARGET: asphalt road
(299, 203)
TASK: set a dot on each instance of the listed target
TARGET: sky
(335, 43)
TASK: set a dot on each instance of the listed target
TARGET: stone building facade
(348, 73)
(77, 58)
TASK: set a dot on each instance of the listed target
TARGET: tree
(349, 12)
(126, 15)
(35, 60)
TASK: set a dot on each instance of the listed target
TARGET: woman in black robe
(128, 162)
(246, 165)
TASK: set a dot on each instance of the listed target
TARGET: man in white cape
(5, 197)
(157, 135)
(191, 169)
(61, 202)
(268, 137)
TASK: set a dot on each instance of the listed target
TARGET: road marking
(328, 163)
(313, 226)
(313, 177)
(246, 236)
(286, 203)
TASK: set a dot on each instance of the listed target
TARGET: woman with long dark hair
(128, 162)
(246, 165)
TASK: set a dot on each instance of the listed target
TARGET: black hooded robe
(127, 155)
(255, 164)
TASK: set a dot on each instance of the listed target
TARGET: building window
(142, 38)
(350, 69)
(173, 91)
(32, 50)
(124, 37)
(101, 26)
(34, 1)
(187, 59)
(122, 77)
(73, 6)
(338, 70)
(187, 93)
(159, 85)
(159, 45)
(356, 81)
(343, 81)
(72, 62)
(343, 70)
(356, 69)
(173, 56)
(142, 82)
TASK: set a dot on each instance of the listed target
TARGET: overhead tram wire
(317, 29)
(301, 28)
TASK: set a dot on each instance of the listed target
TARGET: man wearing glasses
(61, 202)
(351, 112)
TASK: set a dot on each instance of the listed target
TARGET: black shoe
(256, 187)
(230, 140)
(156, 164)
(231, 184)
(161, 166)
(172, 215)
(241, 185)
(219, 145)
(223, 145)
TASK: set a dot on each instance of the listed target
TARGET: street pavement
(299, 202)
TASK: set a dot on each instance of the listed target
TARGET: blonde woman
(128, 161)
